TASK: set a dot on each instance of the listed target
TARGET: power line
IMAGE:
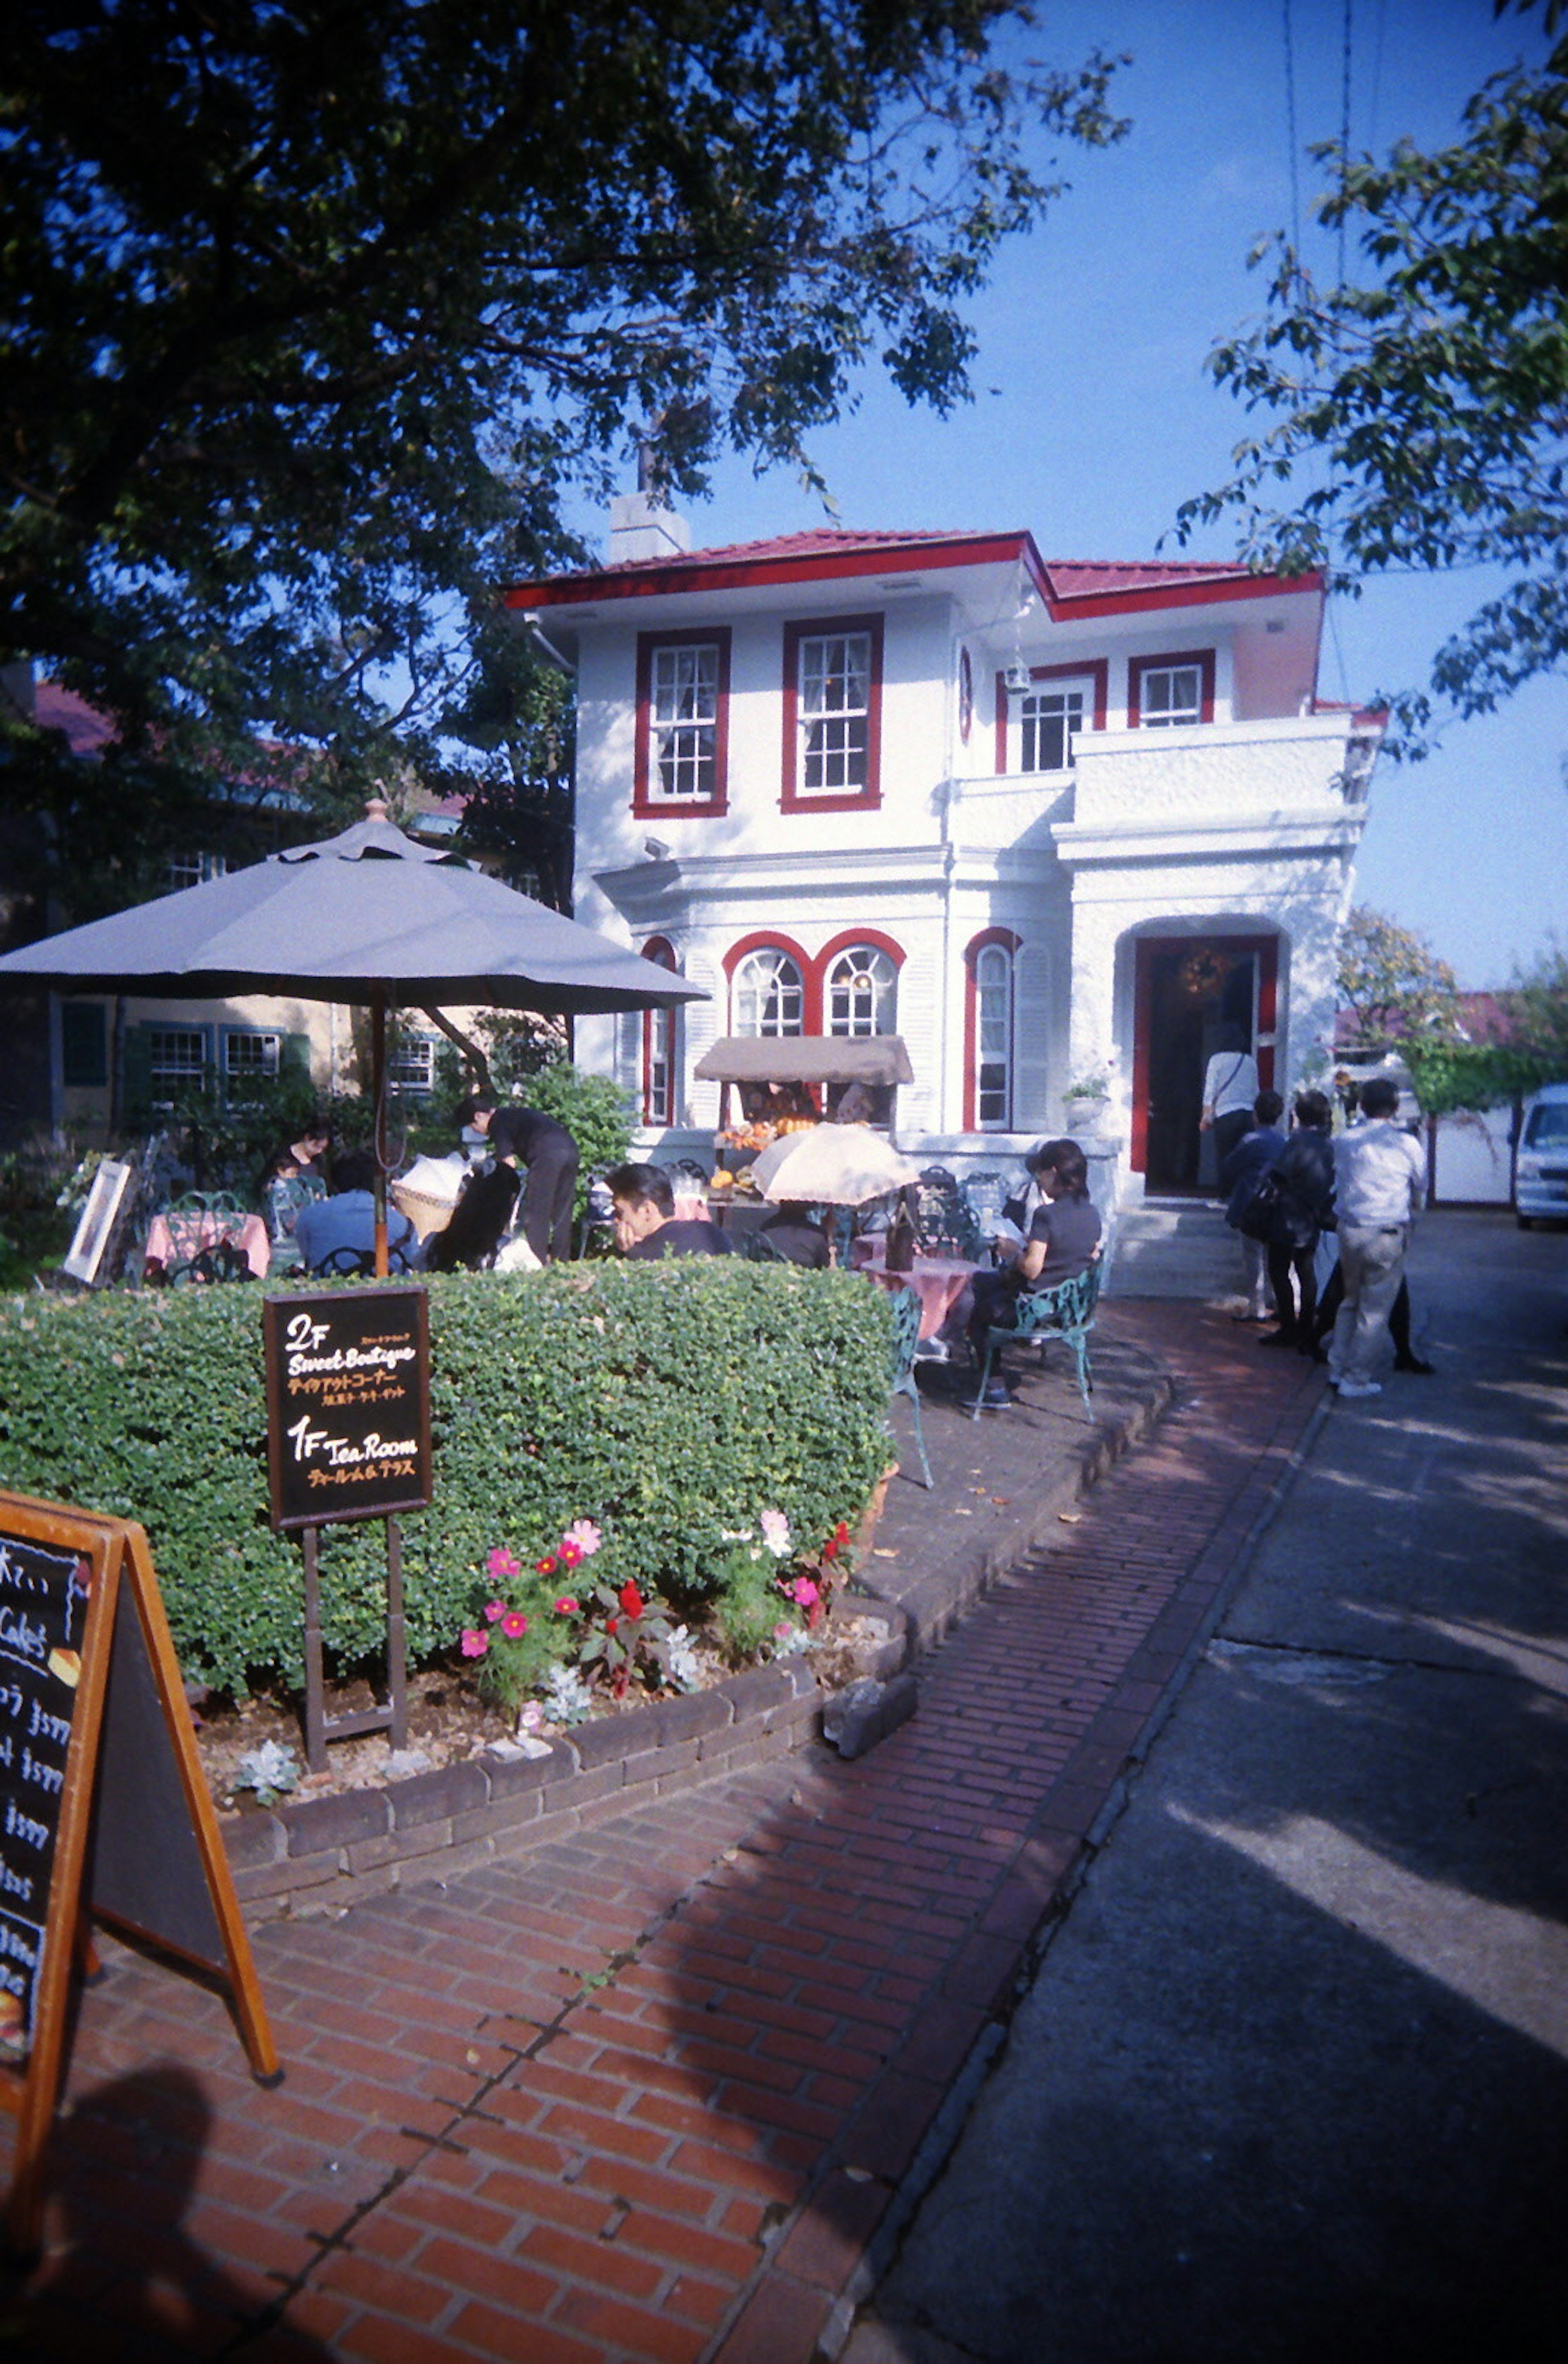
(1344, 138)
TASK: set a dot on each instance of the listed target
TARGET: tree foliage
(1392, 983)
(317, 313)
(1429, 399)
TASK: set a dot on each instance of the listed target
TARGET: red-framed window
(857, 978)
(1164, 693)
(770, 986)
(989, 962)
(832, 715)
(658, 1041)
(681, 761)
(1036, 726)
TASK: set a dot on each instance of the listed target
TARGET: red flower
(631, 1600)
(545, 1566)
(612, 1624)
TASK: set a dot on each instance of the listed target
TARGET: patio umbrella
(368, 915)
(833, 1164)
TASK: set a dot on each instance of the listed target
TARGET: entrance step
(1184, 1249)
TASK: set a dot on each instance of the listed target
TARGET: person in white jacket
(1380, 1177)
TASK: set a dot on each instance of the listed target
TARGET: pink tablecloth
(176, 1238)
(938, 1281)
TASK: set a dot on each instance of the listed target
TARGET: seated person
(645, 1219)
(1063, 1236)
(331, 1230)
(795, 1236)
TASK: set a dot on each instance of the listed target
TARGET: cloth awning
(807, 1059)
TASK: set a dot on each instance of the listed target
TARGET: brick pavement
(648, 2093)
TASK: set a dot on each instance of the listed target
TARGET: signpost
(349, 1437)
(104, 1807)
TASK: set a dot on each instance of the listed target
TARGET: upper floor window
(682, 722)
(863, 987)
(1038, 723)
(1162, 692)
(832, 714)
(767, 995)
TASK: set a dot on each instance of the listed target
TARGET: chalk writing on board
(43, 1598)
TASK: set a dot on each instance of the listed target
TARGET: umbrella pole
(378, 1101)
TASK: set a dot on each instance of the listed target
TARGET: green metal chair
(906, 1337)
(1065, 1311)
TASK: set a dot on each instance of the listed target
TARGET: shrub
(664, 1402)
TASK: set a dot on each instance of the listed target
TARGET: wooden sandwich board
(103, 1808)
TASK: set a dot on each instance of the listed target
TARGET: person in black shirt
(645, 1221)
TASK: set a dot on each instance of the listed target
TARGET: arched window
(767, 994)
(988, 1081)
(862, 992)
(659, 1047)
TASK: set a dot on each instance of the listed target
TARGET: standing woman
(1230, 1087)
(1303, 1177)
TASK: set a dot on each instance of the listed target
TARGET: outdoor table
(176, 1237)
(938, 1281)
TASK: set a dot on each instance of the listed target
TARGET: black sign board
(347, 1404)
(104, 1806)
(44, 1593)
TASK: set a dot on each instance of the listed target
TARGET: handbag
(1258, 1213)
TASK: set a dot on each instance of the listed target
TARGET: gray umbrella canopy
(365, 916)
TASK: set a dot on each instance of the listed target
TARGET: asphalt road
(1290, 2080)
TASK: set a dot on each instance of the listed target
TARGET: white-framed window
(659, 1047)
(176, 1055)
(682, 697)
(411, 1065)
(1166, 692)
(251, 1057)
(832, 713)
(195, 869)
(994, 1038)
(684, 719)
(862, 992)
(1048, 717)
(767, 994)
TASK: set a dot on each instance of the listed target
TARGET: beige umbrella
(832, 1166)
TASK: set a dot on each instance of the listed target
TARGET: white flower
(775, 1532)
(682, 1657)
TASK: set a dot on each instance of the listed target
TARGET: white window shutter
(701, 1023)
(1031, 1038)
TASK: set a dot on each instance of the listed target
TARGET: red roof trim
(1211, 590)
(773, 562)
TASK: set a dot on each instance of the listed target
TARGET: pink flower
(474, 1644)
(501, 1563)
(803, 1590)
(566, 1606)
(568, 1553)
(514, 1625)
(531, 1717)
(494, 1609)
(586, 1536)
(775, 1532)
(780, 1631)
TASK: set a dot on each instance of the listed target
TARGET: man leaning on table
(1379, 1185)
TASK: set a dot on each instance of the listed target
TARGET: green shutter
(135, 1088)
(294, 1059)
(83, 1044)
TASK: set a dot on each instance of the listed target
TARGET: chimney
(642, 526)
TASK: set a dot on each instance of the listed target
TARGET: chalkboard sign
(104, 1806)
(347, 1404)
(44, 1593)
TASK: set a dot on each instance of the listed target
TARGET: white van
(1540, 1171)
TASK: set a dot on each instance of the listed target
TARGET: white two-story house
(1048, 823)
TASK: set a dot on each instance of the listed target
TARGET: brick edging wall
(319, 1854)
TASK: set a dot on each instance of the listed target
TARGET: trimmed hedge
(667, 1402)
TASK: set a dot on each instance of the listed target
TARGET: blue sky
(1093, 418)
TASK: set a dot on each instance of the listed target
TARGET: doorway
(1188, 990)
